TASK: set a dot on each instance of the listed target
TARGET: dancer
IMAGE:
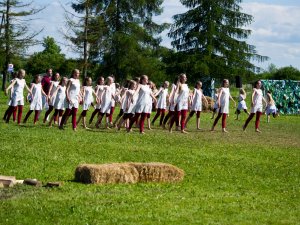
(223, 104)
(242, 104)
(181, 103)
(9, 101)
(105, 99)
(196, 107)
(129, 103)
(216, 107)
(98, 90)
(172, 100)
(143, 108)
(121, 99)
(72, 96)
(271, 108)
(46, 83)
(87, 93)
(256, 106)
(113, 102)
(36, 103)
(17, 97)
(51, 97)
(60, 101)
(161, 103)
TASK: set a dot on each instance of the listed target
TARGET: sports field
(235, 178)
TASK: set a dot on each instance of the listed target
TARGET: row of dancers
(136, 100)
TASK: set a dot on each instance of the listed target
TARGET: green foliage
(235, 178)
(126, 44)
(212, 36)
(50, 57)
(287, 73)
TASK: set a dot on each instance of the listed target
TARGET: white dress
(242, 103)
(106, 100)
(113, 91)
(172, 98)
(224, 100)
(17, 97)
(183, 97)
(197, 101)
(74, 91)
(88, 97)
(257, 101)
(54, 87)
(36, 103)
(162, 99)
(130, 102)
(99, 90)
(144, 101)
(60, 98)
(123, 101)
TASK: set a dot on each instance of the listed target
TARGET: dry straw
(128, 173)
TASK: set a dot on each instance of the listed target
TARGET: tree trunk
(85, 42)
(7, 45)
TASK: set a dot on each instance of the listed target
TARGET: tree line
(120, 37)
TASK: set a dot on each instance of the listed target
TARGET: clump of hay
(210, 106)
(128, 173)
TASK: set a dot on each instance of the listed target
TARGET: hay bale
(158, 172)
(128, 173)
(106, 173)
(210, 106)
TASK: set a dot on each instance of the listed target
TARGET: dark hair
(137, 79)
(53, 76)
(86, 80)
(223, 82)
(73, 72)
(181, 77)
(47, 70)
(142, 78)
(130, 83)
(256, 82)
(34, 78)
(198, 82)
(98, 80)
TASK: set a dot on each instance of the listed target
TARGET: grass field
(234, 178)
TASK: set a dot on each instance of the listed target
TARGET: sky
(275, 28)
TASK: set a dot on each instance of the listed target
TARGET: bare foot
(184, 132)
(258, 131)
(142, 132)
(224, 130)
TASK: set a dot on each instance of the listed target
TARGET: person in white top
(121, 96)
(142, 107)
(196, 106)
(73, 97)
(51, 97)
(105, 100)
(129, 103)
(242, 104)
(271, 107)
(216, 107)
(256, 106)
(60, 101)
(171, 108)
(161, 103)
(9, 101)
(17, 96)
(223, 104)
(113, 102)
(36, 104)
(182, 91)
(87, 95)
(98, 90)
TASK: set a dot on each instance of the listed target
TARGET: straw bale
(158, 172)
(210, 106)
(106, 173)
(128, 173)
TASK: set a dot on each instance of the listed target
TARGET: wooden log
(7, 181)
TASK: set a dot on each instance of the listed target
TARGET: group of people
(136, 98)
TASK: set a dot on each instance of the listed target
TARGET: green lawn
(234, 178)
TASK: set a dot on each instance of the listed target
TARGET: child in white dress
(87, 94)
(98, 90)
(271, 107)
(60, 101)
(223, 104)
(105, 101)
(17, 96)
(36, 104)
(161, 103)
(73, 96)
(196, 107)
(51, 95)
(181, 102)
(242, 104)
(256, 106)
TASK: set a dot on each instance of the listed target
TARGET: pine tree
(15, 35)
(212, 34)
(122, 35)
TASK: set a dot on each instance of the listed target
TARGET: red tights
(67, 113)
(258, 114)
(13, 110)
(224, 116)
